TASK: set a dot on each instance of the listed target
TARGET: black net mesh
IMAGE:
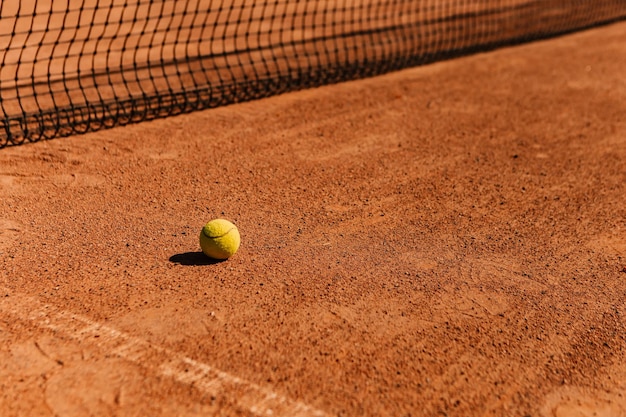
(72, 66)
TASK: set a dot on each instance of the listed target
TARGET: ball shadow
(193, 259)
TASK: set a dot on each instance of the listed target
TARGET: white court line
(251, 397)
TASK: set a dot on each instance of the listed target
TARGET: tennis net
(73, 66)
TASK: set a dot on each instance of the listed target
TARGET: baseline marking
(249, 396)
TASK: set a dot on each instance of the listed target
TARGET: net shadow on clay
(73, 66)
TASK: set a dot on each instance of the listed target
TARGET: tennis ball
(219, 239)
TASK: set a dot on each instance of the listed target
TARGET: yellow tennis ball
(219, 239)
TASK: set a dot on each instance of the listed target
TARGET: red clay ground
(446, 240)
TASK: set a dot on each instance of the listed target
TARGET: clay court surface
(446, 240)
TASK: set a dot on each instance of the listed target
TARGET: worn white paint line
(248, 396)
